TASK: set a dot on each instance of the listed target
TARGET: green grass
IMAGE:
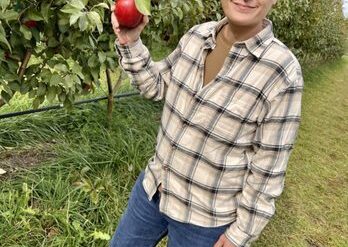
(312, 210)
(84, 187)
(75, 195)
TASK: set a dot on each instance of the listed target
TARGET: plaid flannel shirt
(222, 149)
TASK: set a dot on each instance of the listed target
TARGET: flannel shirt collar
(256, 45)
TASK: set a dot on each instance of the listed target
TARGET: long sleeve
(264, 182)
(149, 77)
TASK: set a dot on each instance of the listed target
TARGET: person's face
(246, 12)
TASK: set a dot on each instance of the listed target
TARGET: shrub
(313, 29)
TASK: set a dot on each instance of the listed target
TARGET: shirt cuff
(131, 50)
(237, 236)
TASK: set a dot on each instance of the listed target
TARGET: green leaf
(52, 42)
(24, 88)
(10, 77)
(26, 32)
(32, 94)
(93, 61)
(101, 235)
(31, 211)
(36, 34)
(9, 15)
(91, 42)
(56, 80)
(3, 38)
(4, 3)
(144, 6)
(73, 7)
(75, 17)
(180, 14)
(101, 56)
(78, 4)
(62, 97)
(95, 72)
(14, 86)
(103, 5)
(38, 101)
(45, 11)
(34, 15)
(94, 18)
(68, 82)
(61, 67)
(51, 94)
(7, 89)
(83, 22)
(6, 97)
(77, 69)
(41, 89)
(69, 9)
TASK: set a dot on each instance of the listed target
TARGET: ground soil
(12, 160)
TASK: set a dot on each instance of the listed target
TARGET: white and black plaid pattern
(222, 150)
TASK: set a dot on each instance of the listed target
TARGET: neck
(235, 33)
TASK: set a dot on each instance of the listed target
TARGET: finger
(114, 20)
(115, 25)
(113, 6)
(144, 22)
(218, 243)
(146, 19)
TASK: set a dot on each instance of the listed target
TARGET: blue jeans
(143, 225)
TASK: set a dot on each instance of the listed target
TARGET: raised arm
(149, 77)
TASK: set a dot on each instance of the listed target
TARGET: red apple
(30, 24)
(127, 13)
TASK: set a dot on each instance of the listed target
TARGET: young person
(232, 95)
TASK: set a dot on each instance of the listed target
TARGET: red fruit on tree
(30, 24)
(127, 13)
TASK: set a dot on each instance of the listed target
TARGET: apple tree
(54, 49)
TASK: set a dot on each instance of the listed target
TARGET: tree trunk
(24, 64)
(110, 96)
(112, 91)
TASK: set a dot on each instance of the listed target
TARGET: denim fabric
(143, 225)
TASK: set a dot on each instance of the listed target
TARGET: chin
(242, 21)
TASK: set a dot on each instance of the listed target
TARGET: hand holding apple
(131, 23)
(127, 13)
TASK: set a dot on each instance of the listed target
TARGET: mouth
(243, 6)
